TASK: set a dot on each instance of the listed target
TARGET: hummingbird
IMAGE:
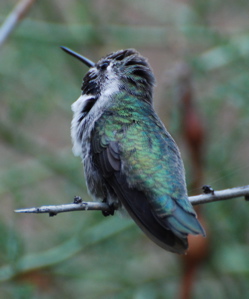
(130, 160)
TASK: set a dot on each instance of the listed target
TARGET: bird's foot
(112, 208)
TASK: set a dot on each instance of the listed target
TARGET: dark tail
(138, 208)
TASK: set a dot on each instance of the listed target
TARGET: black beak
(83, 59)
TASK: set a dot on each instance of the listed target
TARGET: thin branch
(53, 210)
(13, 18)
(80, 205)
(220, 195)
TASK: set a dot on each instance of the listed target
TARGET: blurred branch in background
(14, 18)
(76, 244)
(195, 135)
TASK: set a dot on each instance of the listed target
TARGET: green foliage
(83, 255)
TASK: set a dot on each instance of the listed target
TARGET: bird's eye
(103, 65)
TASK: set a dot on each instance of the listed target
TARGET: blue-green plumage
(129, 157)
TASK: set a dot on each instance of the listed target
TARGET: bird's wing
(107, 159)
(141, 164)
(152, 164)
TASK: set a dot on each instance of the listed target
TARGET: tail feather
(183, 223)
(138, 207)
(169, 232)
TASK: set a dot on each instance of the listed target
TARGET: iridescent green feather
(149, 156)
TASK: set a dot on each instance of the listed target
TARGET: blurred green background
(83, 254)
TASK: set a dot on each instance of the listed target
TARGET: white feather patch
(77, 107)
(109, 88)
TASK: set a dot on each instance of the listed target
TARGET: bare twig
(80, 205)
(221, 195)
(13, 18)
(53, 210)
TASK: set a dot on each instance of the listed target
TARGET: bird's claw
(111, 210)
